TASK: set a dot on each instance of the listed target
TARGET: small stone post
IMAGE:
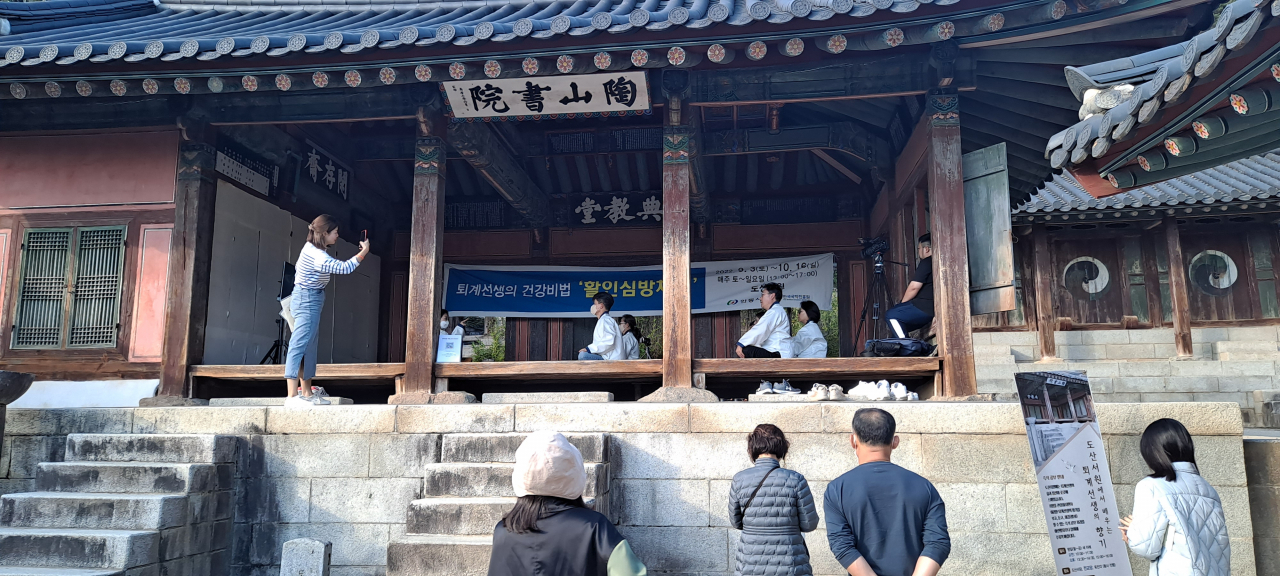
(12, 386)
(305, 557)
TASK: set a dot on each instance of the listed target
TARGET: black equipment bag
(885, 347)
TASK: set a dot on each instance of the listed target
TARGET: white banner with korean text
(1079, 500)
(735, 284)
(542, 95)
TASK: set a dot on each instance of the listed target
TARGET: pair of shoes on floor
(783, 387)
(821, 392)
(872, 391)
(305, 401)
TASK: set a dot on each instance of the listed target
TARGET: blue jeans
(589, 356)
(908, 316)
(304, 344)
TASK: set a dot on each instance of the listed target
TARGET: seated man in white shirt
(809, 341)
(771, 336)
(606, 342)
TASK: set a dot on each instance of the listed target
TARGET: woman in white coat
(809, 341)
(1177, 520)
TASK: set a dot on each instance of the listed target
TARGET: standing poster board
(1072, 473)
(450, 349)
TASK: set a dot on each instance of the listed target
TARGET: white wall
(252, 239)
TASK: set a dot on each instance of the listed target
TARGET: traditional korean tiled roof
(70, 31)
(1118, 95)
(1252, 178)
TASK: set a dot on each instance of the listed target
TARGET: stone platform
(348, 473)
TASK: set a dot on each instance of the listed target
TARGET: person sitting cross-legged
(771, 336)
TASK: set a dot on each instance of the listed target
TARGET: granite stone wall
(347, 473)
(1262, 468)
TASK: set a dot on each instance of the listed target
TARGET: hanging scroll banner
(566, 291)
(546, 95)
(1071, 469)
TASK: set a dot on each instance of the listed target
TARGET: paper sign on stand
(1071, 470)
(450, 348)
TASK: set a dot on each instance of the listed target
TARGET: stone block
(1234, 350)
(402, 455)
(661, 502)
(677, 456)
(1101, 385)
(981, 338)
(628, 417)
(1146, 368)
(275, 401)
(93, 511)
(546, 397)
(934, 417)
(199, 420)
(414, 555)
(1264, 501)
(316, 455)
(1131, 351)
(1249, 368)
(1062, 338)
(174, 543)
(481, 448)
(1117, 398)
(1238, 397)
(1166, 397)
(679, 395)
(493, 479)
(1202, 351)
(27, 452)
(823, 457)
(1195, 368)
(358, 419)
(260, 500)
(359, 571)
(996, 386)
(1220, 458)
(1138, 384)
(305, 557)
(114, 549)
(14, 485)
(735, 417)
(989, 554)
(190, 448)
(362, 500)
(129, 477)
(353, 544)
(1200, 419)
(1025, 353)
(680, 549)
(1262, 461)
(1091, 337)
(1252, 333)
(1267, 552)
(718, 501)
(1207, 335)
(461, 516)
(996, 371)
(1100, 369)
(821, 559)
(1020, 338)
(1235, 507)
(1083, 352)
(1167, 350)
(1024, 511)
(959, 458)
(63, 421)
(1151, 336)
(974, 507)
(1245, 383)
(457, 418)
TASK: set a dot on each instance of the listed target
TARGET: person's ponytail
(319, 230)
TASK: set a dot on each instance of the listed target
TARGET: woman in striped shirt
(312, 274)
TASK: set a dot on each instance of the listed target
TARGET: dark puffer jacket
(772, 544)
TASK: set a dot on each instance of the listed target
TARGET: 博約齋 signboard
(544, 95)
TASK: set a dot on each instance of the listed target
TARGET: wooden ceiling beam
(1051, 114)
(1150, 29)
(842, 136)
(480, 147)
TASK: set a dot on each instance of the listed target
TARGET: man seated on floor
(606, 342)
(916, 310)
(771, 336)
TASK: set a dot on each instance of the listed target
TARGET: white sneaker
(818, 392)
(898, 391)
(913, 396)
(318, 401)
(865, 391)
(319, 392)
(297, 402)
(785, 387)
(835, 392)
(765, 388)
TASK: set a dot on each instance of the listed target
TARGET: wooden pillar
(950, 247)
(1046, 321)
(677, 307)
(844, 288)
(1178, 298)
(426, 268)
(190, 254)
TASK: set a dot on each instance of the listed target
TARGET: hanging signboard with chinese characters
(246, 169)
(611, 210)
(1071, 469)
(566, 291)
(532, 97)
(323, 170)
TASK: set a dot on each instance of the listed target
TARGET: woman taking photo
(550, 530)
(772, 506)
(630, 337)
(313, 268)
(1177, 520)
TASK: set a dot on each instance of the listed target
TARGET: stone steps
(132, 477)
(38, 571)
(480, 480)
(174, 448)
(459, 516)
(93, 511)
(439, 555)
(78, 548)
(501, 448)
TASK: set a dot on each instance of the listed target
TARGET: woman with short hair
(773, 507)
(809, 341)
(1177, 520)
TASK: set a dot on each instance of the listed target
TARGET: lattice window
(69, 294)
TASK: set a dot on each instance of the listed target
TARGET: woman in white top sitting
(630, 337)
(771, 336)
(1177, 520)
(809, 341)
(311, 276)
(444, 325)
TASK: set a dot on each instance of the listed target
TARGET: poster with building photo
(1072, 473)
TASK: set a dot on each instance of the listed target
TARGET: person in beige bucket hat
(550, 531)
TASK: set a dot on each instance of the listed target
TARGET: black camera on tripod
(874, 249)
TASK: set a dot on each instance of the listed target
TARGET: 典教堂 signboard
(621, 92)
